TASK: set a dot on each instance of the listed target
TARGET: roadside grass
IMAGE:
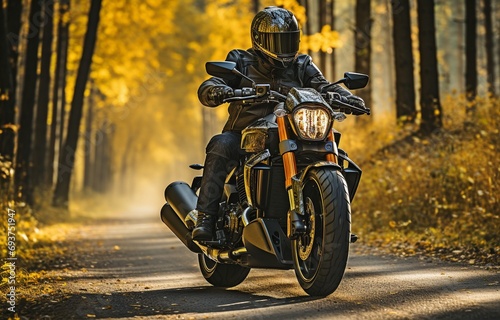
(41, 238)
(434, 194)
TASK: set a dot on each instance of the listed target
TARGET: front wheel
(221, 275)
(320, 255)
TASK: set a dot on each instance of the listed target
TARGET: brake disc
(306, 242)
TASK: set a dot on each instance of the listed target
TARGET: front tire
(320, 256)
(221, 275)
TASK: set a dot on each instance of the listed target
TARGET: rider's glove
(351, 100)
(219, 92)
(357, 102)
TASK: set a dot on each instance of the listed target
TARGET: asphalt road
(135, 268)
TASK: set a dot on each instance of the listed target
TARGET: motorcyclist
(273, 59)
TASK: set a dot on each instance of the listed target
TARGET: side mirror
(354, 80)
(220, 69)
(225, 70)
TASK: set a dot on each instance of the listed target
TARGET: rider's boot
(205, 226)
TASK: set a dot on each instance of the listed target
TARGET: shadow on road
(170, 302)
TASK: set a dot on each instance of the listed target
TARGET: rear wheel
(320, 255)
(221, 275)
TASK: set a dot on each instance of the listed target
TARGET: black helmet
(276, 36)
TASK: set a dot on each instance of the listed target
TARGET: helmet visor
(280, 43)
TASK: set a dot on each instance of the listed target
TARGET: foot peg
(354, 238)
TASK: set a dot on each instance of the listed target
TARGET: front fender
(298, 181)
(352, 174)
(318, 164)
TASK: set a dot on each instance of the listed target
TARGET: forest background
(98, 110)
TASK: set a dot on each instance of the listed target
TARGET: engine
(231, 224)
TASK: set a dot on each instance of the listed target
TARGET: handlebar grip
(340, 102)
(244, 92)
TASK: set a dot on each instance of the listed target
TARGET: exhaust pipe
(170, 218)
(183, 200)
(179, 214)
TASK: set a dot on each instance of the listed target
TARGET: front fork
(295, 223)
(332, 157)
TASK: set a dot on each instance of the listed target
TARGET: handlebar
(340, 102)
(263, 93)
(260, 93)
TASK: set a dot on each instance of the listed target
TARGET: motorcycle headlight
(312, 123)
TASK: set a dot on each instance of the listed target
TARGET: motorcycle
(287, 204)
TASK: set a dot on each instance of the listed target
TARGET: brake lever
(340, 104)
(365, 111)
(232, 99)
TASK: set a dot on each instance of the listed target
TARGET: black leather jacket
(302, 73)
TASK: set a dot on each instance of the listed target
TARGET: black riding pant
(223, 152)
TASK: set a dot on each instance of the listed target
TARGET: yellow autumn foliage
(138, 38)
(439, 190)
(322, 41)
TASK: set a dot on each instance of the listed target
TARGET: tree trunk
(256, 6)
(307, 26)
(323, 20)
(67, 155)
(98, 163)
(23, 183)
(332, 25)
(58, 92)
(11, 20)
(88, 159)
(457, 62)
(40, 144)
(388, 56)
(5, 96)
(403, 59)
(102, 162)
(363, 45)
(6, 84)
(63, 72)
(498, 42)
(470, 51)
(429, 86)
(490, 62)
(124, 185)
(108, 151)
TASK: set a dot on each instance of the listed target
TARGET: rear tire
(221, 275)
(320, 256)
